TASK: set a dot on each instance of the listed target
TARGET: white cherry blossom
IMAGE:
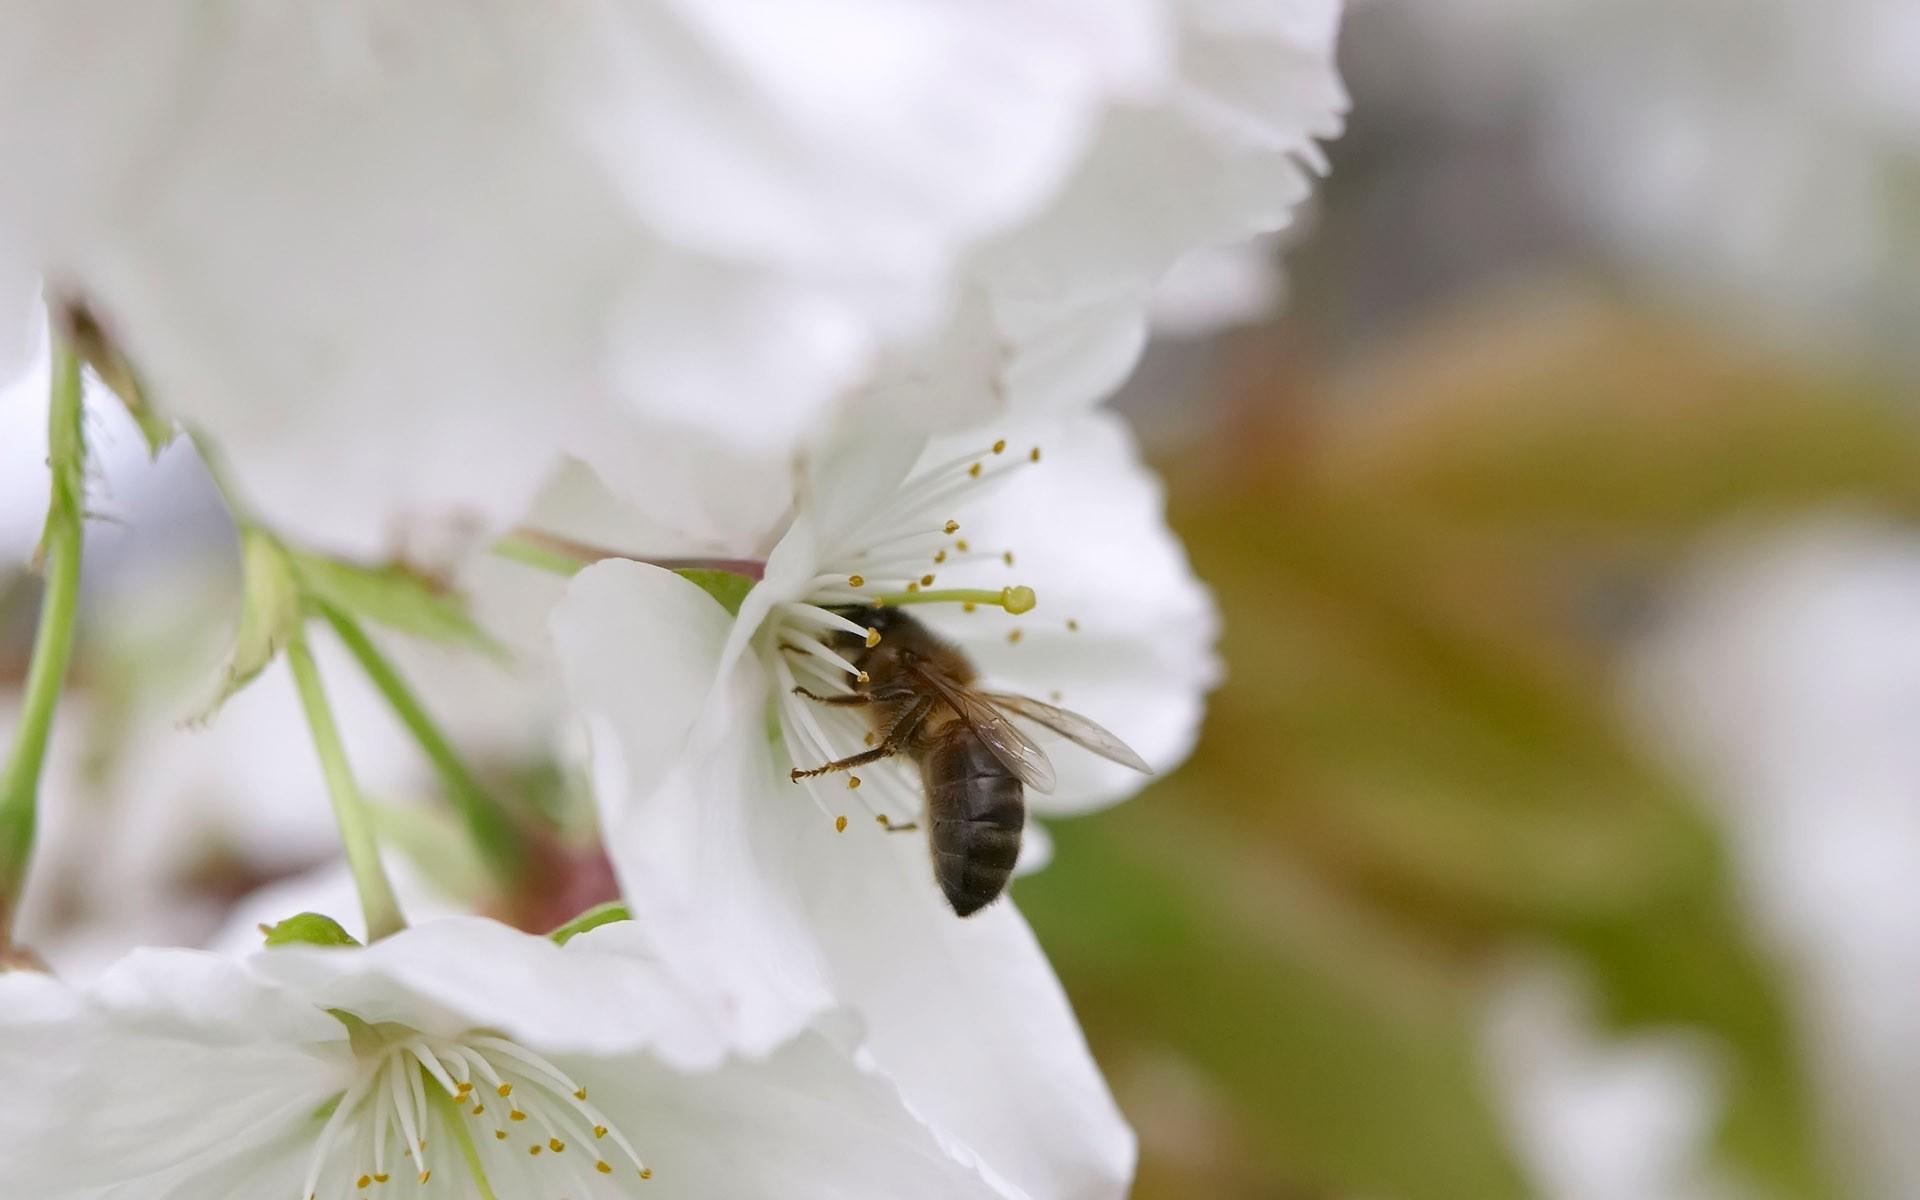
(457, 1059)
(775, 899)
(395, 260)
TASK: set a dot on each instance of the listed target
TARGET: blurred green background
(1417, 760)
(1439, 496)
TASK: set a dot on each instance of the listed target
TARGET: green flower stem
(493, 831)
(349, 808)
(53, 642)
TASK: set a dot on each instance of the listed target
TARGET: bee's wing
(1009, 745)
(1072, 726)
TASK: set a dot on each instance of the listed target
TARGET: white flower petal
(1068, 356)
(966, 1015)
(184, 1075)
(23, 319)
(396, 261)
(1036, 849)
(174, 1061)
(1628, 1118)
(844, 127)
(1220, 154)
(23, 466)
(460, 973)
(1123, 632)
(1785, 675)
(679, 763)
(806, 1121)
(1216, 287)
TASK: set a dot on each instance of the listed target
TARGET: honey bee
(974, 764)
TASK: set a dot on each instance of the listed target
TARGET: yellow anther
(873, 637)
(960, 544)
(1056, 696)
(535, 1149)
(839, 826)
(363, 1181)
(1073, 626)
(556, 1145)
(426, 1175)
(516, 1115)
(579, 1093)
(1013, 635)
(863, 677)
(599, 1131)
(506, 1089)
(646, 1172)
(478, 1109)
(423, 1143)
(853, 781)
(500, 1134)
(463, 1089)
(939, 558)
(1000, 447)
(1017, 600)
(952, 526)
(974, 470)
(604, 1167)
(381, 1178)
(912, 586)
(880, 819)
(926, 581)
(856, 581)
(969, 606)
(1034, 454)
(867, 737)
(1006, 556)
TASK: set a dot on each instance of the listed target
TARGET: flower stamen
(815, 641)
(1016, 600)
(416, 1088)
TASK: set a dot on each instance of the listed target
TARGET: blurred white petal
(395, 263)
(1595, 1118)
(1788, 677)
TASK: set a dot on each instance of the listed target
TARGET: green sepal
(724, 586)
(113, 369)
(365, 1040)
(593, 918)
(269, 612)
(394, 596)
(308, 929)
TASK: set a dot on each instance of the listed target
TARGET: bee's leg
(889, 746)
(854, 699)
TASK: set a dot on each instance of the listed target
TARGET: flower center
(894, 557)
(424, 1106)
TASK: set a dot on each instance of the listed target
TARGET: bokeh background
(1556, 830)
